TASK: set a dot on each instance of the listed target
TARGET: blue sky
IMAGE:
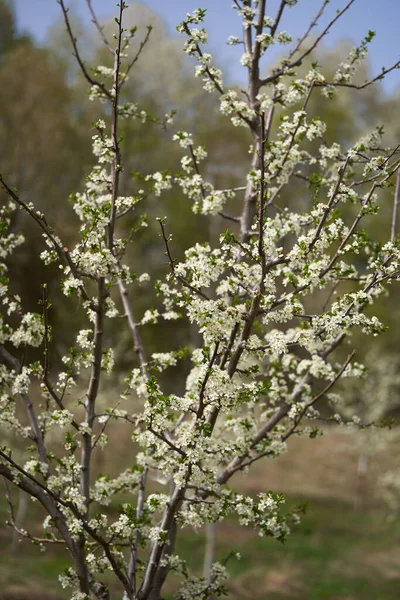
(383, 16)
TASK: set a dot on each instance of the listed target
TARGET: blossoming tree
(273, 302)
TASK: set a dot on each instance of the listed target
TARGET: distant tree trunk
(210, 551)
(20, 518)
(361, 490)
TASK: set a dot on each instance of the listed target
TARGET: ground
(336, 553)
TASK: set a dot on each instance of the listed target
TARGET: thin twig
(330, 205)
(295, 63)
(39, 218)
(12, 363)
(360, 86)
(81, 64)
(323, 393)
(172, 265)
(229, 217)
(137, 55)
(99, 28)
(92, 391)
(395, 208)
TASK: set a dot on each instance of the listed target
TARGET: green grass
(335, 554)
(332, 555)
